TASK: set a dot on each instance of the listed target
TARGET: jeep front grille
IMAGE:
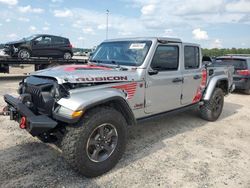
(36, 95)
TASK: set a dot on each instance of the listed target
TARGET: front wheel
(24, 54)
(211, 110)
(96, 143)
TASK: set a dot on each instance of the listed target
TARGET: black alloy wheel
(102, 142)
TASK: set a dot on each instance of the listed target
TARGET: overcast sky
(212, 23)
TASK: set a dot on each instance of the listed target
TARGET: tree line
(205, 51)
(223, 51)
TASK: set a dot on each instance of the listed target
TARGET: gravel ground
(176, 151)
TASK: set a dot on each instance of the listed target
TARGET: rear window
(59, 40)
(192, 57)
(238, 64)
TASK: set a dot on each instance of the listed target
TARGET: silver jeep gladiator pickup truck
(86, 109)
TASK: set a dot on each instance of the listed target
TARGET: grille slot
(36, 95)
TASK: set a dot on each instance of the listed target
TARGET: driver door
(41, 46)
(164, 80)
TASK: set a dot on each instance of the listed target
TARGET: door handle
(176, 80)
(196, 77)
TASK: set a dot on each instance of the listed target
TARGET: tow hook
(22, 124)
(201, 103)
(5, 111)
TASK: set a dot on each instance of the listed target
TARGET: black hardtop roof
(159, 39)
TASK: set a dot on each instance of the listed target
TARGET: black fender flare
(120, 104)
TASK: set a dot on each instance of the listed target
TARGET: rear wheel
(96, 143)
(67, 55)
(24, 54)
(212, 109)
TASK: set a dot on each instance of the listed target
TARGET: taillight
(204, 78)
(243, 72)
(70, 45)
(198, 94)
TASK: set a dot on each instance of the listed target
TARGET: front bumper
(36, 124)
(8, 50)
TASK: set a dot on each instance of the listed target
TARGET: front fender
(211, 86)
(82, 100)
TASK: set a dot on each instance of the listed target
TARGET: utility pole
(107, 24)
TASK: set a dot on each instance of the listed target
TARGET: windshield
(237, 63)
(30, 38)
(128, 53)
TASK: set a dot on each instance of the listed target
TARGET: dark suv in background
(40, 46)
(241, 65)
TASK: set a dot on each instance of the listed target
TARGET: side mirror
(35, 42)
(152, 72)
(206, 58)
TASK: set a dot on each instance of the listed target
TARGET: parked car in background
(241, 64)
(40, 46)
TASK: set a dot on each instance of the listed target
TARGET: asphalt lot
(176, 151)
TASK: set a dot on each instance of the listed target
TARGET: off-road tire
(208, 109)
(75, 141)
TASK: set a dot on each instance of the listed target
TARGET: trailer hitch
(5, 111)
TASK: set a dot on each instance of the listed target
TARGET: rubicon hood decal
(100, 79)
(87, 74)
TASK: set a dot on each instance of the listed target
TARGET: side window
(46, 40)
(166, 58)
(38, 40)
(191, 57)
(43, 40)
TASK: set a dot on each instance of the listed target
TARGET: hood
(87, 74)
(16, 42)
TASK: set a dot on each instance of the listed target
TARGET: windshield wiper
(118, 65)
(103, 63)
(99, 63)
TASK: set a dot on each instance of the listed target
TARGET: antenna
(107, 24)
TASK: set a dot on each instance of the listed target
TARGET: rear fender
(220, 81)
